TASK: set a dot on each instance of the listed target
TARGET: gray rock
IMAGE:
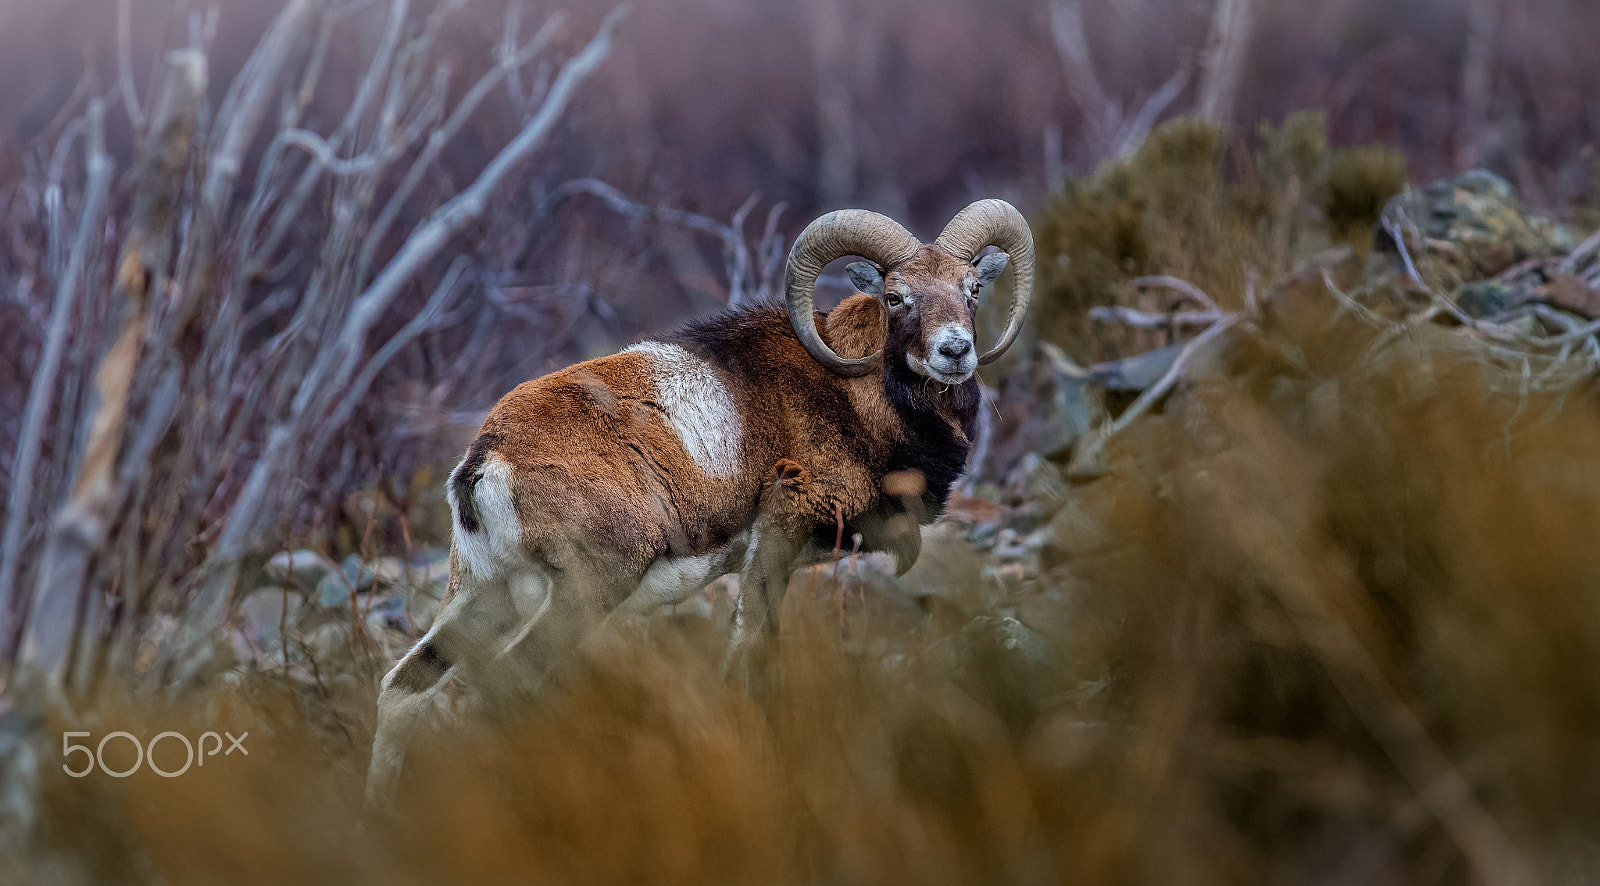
(301, 569)
(359, 572)
(951, 569)
(333, 591)
(1133, 375)
(420, 572)
(1034, 489)
(329, 643)
(1001, 658)
(1066, 407)
(260, 616)
(389, 613)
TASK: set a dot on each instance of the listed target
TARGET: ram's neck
(932, 423)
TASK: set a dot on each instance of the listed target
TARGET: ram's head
(929, 293)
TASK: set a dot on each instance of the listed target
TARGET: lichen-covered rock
(1469, 227)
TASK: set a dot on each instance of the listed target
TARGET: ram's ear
(866, 277)
(989, 267)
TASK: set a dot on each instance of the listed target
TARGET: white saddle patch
(698, 407)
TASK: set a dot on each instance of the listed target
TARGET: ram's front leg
(889, 529)
(794, 503)
(777, 536)
(893, 525)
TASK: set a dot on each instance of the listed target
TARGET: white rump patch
(498, 541)
(698, 406)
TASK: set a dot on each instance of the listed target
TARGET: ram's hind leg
(405, 703)
(474, 616)
(557, 609)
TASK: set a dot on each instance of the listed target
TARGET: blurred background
(265, 265)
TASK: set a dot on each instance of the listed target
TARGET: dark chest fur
(931, 446)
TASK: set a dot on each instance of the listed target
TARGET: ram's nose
(951, 357)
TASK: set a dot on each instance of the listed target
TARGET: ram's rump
(633, 452)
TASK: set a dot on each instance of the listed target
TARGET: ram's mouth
(938, 375)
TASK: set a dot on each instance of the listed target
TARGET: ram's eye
(893, 299)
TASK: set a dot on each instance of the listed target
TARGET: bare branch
(1133, 131)
(323, 152)
(1083, 84)
(1476, 79)
(448, 131)
(737, 255)
(1147, 320)
(55, 248)
(1588, 247)
(619, 203)
(1183, 286)
(415, 327)
(1222, 63)
(838, 154)
(376, 71)
(130, 95)
(42, 389)
(249, 96)
(80, 526)
(1153, 395)
(289, 212)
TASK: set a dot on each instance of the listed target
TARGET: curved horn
(999, 224)
(843, 232)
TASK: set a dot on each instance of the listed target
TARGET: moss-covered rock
(1469, 227)
(1193, 203)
